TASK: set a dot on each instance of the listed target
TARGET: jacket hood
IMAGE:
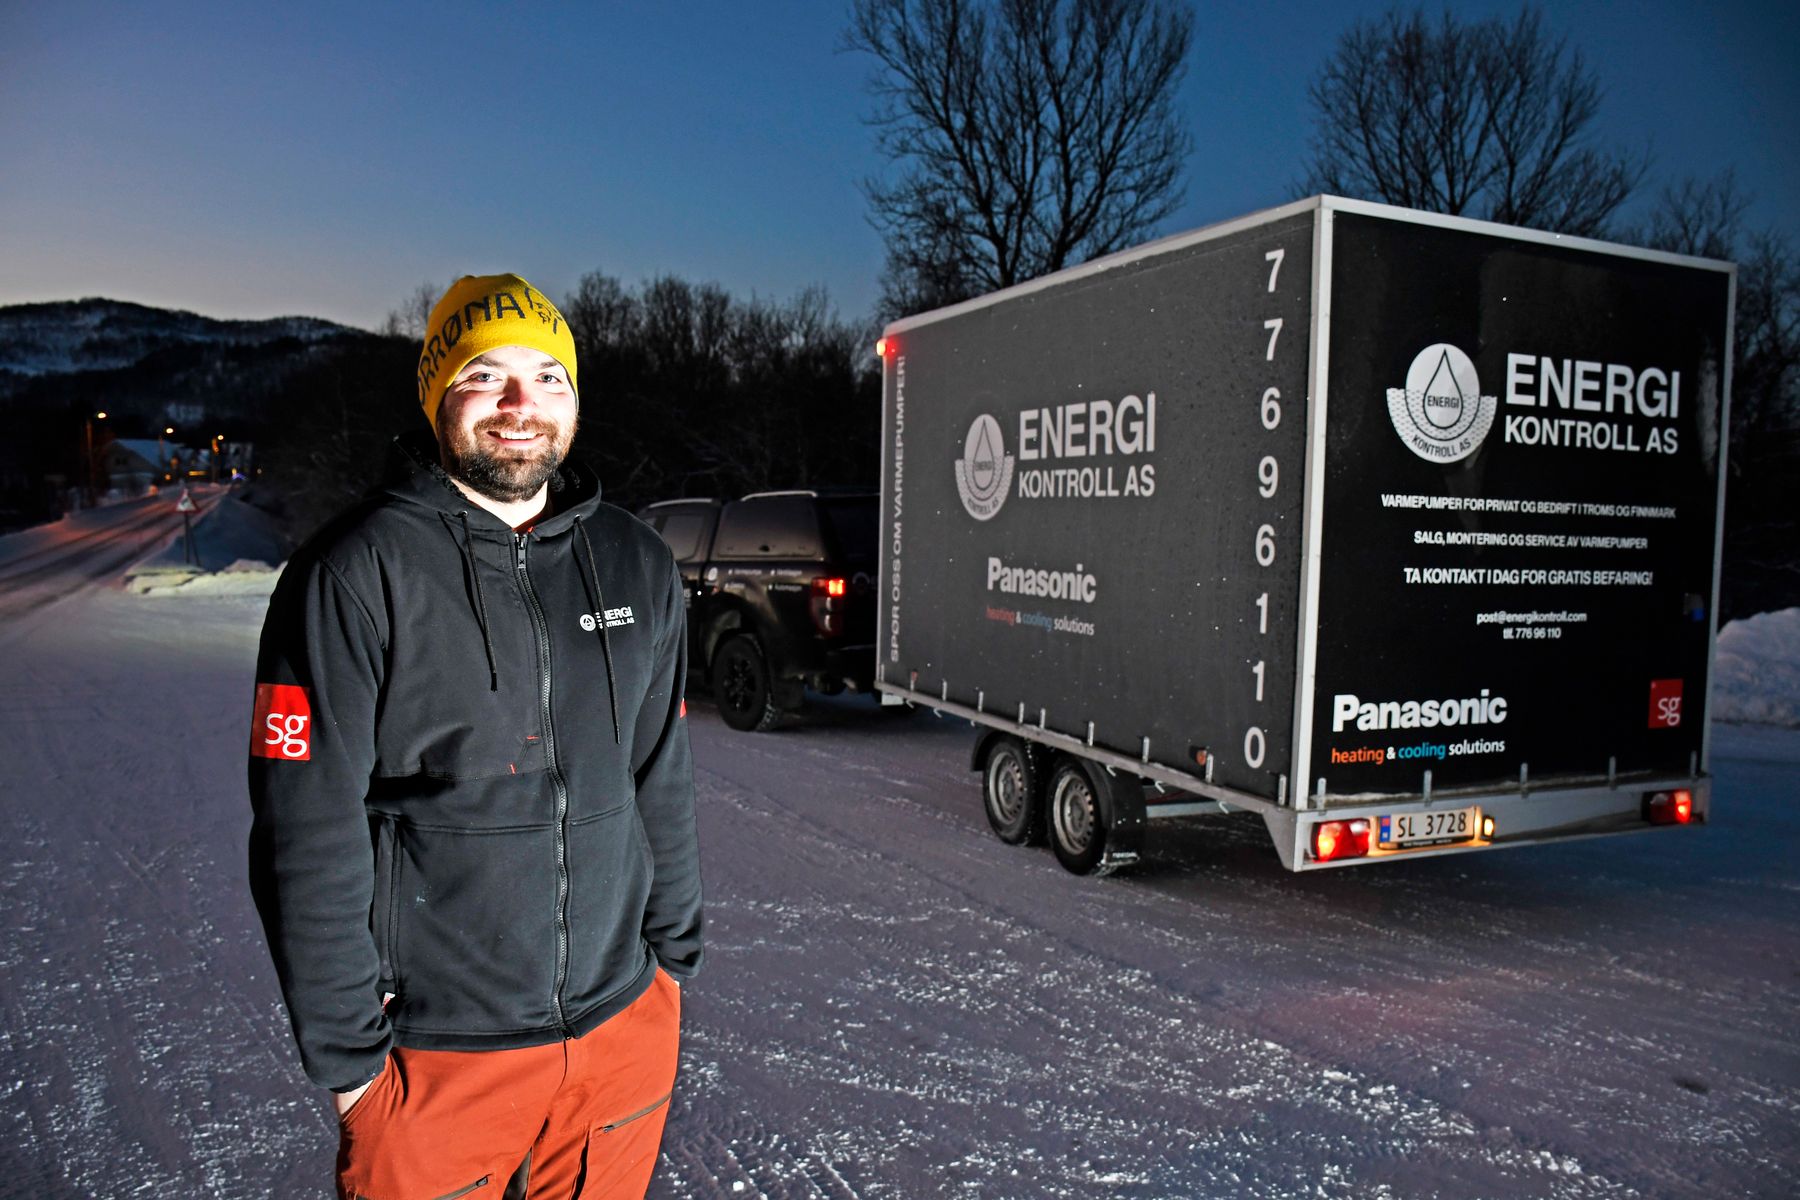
(414, 474)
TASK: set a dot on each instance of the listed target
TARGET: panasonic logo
(1030, 581)
(1415, 714)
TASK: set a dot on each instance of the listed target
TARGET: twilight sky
(325, 158)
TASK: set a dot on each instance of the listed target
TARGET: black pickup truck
(780, 594)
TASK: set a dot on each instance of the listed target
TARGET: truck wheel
(1011, 794)
(740, 685)
(1078, 820)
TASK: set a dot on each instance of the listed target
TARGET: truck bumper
(830, 667)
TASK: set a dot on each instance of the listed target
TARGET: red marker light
(1340, 839)
(881, 348)
(1669, 808)
(827, 614)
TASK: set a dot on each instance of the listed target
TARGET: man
(473, 848)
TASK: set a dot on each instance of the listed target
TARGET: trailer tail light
(1340, 839)
(881, 347)
(1674, 807)
(827, 595)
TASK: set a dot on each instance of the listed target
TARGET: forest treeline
(685, 389)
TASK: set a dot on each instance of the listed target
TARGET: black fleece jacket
(470, 774)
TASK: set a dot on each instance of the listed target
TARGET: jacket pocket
(609, 885)
(383, 906)
(475, 917)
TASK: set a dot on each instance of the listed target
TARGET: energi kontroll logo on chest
(614, 617)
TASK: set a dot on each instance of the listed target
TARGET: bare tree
(408, 320)
(1702, 217)
(1762, 537)
(1029, 135)
(601, 314)
(1485, 119)
(1705, 217)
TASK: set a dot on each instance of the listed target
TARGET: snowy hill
(98, 335)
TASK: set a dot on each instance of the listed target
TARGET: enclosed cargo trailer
(1401, 530)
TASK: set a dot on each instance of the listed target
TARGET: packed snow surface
(894, 1004)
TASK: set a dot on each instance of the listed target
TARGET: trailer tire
(1077, 819)
(1012, 793)
(1096, 817)
(741, 685)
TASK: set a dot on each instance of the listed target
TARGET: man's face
(507, 422)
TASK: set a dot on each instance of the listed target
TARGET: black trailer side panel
(1520, 503)
(1094, 503)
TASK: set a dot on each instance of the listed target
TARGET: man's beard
(503, 475)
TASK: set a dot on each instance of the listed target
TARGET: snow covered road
(897, 1005)
(41, 565)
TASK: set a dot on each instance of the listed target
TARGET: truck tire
(741, 686)
(1012, 792)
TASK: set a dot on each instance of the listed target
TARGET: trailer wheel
(1011, 794)
(741, 685)
(1078, 820)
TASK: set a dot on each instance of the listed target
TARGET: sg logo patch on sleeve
(282, 726)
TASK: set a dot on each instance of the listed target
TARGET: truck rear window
(683, 531)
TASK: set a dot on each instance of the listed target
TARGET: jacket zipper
(556, 780)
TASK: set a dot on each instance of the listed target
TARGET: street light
(92, 493)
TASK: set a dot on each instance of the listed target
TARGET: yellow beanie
(481, 313)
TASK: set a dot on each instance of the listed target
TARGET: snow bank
(239, 549)
(242, 578)
(1756, 678)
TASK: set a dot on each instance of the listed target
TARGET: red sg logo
(1665, 703)
(282, 726)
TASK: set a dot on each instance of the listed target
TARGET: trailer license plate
(1439, 828)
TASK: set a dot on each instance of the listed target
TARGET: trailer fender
(983, 742)
(1122, 800)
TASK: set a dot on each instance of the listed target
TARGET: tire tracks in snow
(1106, 1011)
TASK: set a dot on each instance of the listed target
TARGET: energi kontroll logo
(1441, 414)
(984, 472)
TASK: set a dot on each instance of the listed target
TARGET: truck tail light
(1340, 839)
(827, 597)
(1675, 807)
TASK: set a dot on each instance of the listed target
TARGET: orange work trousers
(579, 1118)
